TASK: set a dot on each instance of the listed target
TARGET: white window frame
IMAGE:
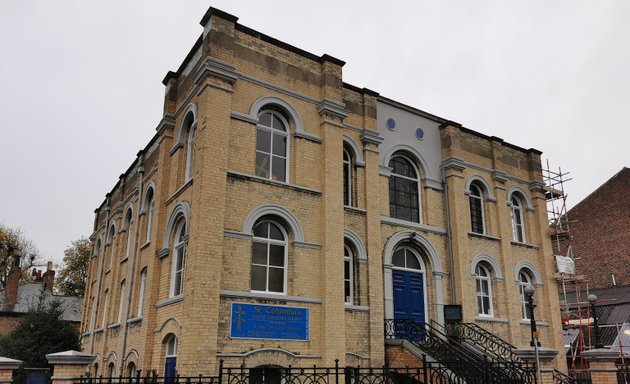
(190, 142)
(275, 131)
(105, 305)
(171, 347)
(347, 167)
(121, 301)
(179, 253)
(483, 276)
(517, 215)
(348, 260)
(129, 226)
(525, 279)
(267, 241)
(143, 283)
(112, 243)
(415, 180)
(479, 200)
(149, 203)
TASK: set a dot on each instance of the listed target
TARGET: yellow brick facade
(232, 75)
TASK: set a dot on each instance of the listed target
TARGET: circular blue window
(419, 134)
(391, 124)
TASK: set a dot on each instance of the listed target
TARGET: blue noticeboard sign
(276, 322)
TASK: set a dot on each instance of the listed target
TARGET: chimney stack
(12, 284)
(49, 278)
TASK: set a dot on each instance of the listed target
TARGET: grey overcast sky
(82, 92)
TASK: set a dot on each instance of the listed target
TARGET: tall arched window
(105, 309)
(121, 301)
(111, 241)
(484, 290)
(170, 360)
(404, 195)
(111, 370)
(131, 369)
(179, 259)
(143, 283)
(149, 202)
(271, 146)
(128, 226)
(525, 279)
(348, 274)
(189, 127)
(347, 177)
(269, 258)
(518, 222)
(475, 200)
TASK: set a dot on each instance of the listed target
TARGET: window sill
(353, 208)
(134, 320)
(179, 191)
(108, 271)
(524, 245)
(143, 246)
(541, 323)
(357, 308)
(490, 319)
(298, 188)
(169, 301)
(483, 236)
(412, 225)
(269, 296)
(124, 260)
(98, 330)
(113, 326)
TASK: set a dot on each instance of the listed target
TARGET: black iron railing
(470, 367)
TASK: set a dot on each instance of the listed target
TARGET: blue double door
(409, 301)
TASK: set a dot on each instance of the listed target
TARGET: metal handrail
(471, 367)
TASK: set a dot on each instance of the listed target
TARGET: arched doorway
(408, 285)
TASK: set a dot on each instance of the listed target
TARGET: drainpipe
(100, 274)
(132, 273)
(449, 239)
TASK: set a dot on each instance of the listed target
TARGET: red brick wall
(600, 229)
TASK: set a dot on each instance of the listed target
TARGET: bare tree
(15, 247)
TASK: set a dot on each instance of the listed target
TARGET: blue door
(408, 301)
(169, 369)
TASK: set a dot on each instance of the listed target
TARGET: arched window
(405, 257)
(269, 258)
(475, 200)
(111, 370)
(121, 301)
(347, 177)
(348, 274)
(131, 369)
(143, 283)
(111, 241)
(128, 226)
(189, 126)
(95, 370)
(179, 259)
(404, 195)
(518, 222)
(105, 308)
(484, 290)
(525, 279)
(149, 202)
(271, 146)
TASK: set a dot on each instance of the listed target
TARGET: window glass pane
(259, 253)
(486, 305)
(260, 230)
(279, 145)
(346, 269)
(412, 261)
(276, 279)
(347, 290)
(276, 255)
(179, 259)
(265, 119)
(480, 304)
(399, 258)
(259, 277)
(274, 232)
(262, 164)
(277, 123)
(263, 140)
(177, 284)
(478, 285)
(279, 168)
(484, 287)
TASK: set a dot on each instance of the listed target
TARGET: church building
(282, 217)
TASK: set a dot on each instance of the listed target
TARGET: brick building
(279, 216)
(600, 233)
